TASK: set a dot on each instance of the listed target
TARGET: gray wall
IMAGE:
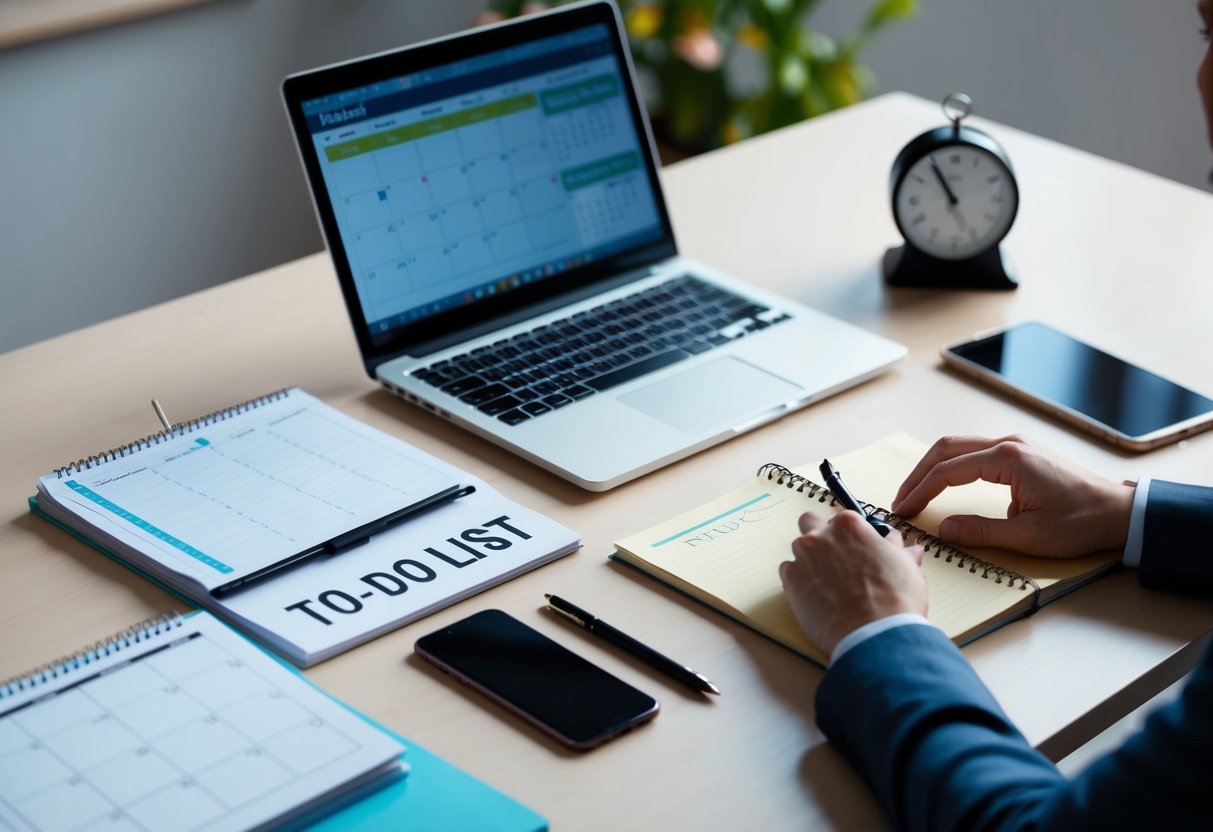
(150, 159)
(146, 160)
(1115, 77)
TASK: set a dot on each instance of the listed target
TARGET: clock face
(956, 202)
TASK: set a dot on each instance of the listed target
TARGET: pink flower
(699, 49)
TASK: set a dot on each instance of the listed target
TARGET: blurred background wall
(151, 158)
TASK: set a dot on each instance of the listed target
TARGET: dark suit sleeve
(911, 715)
(1177, 539)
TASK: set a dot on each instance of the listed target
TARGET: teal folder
(435, 796)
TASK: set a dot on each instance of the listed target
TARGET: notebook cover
(33, 507)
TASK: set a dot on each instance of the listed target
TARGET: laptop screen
(488, 179)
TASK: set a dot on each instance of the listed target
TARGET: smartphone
(1105, 395)
(577, 703)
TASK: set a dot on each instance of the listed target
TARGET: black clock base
(908, 267)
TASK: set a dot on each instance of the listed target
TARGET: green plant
(718, 71)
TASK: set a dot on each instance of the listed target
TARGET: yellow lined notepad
(727, 552)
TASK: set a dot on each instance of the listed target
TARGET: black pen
(847, 499)
(350, 539)
(641, 651)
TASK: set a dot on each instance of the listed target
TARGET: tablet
(1107, 396)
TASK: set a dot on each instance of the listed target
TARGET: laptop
(492, 205)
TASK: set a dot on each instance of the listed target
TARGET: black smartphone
(1107, 396)
(577, 703)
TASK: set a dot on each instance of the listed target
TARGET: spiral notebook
(727, 553)
(179, 724)
(285, 479)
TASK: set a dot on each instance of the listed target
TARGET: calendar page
(243, 489)
(182, 725)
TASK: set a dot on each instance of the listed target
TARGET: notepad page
(728, 552)
(196, 730)
(228, 498)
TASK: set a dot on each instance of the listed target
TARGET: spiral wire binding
(135, 634)
(179, 429)
(910, 533)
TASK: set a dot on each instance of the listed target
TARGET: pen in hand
(833, 481)
(682, 673)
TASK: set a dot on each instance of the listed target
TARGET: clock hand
(960, 218)
(942, 181)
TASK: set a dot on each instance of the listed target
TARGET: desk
(1111, 254)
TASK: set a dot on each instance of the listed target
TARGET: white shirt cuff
(1137, 524)
(873, 628)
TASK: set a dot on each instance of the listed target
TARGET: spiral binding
(135, 634)
(931, 545)
(179, 429)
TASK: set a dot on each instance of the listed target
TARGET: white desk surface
(1115, 256)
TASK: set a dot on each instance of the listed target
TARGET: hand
(943, 181)
(843, 575)
(1057, 509)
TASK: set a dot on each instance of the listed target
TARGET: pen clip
(566, 614)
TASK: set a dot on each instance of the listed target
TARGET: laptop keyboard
(540, 371)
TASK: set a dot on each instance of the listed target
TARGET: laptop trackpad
(711, 395)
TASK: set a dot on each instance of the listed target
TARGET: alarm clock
(954, 199)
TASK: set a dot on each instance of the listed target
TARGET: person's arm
(903, 705)
(1177, 530)
(910, 714)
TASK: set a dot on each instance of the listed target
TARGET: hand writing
(843, 574)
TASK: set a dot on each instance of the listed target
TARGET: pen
(168, 426)
(847, 499)
(350, 539)
(641, 651)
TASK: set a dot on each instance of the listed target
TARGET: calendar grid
(476, 191)
(185, 736)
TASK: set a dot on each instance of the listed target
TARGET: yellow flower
(643, 21)
(753, 37)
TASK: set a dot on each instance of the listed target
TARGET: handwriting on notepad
(731, 522)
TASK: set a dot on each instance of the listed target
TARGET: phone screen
(575, 701)
(1057, 368)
